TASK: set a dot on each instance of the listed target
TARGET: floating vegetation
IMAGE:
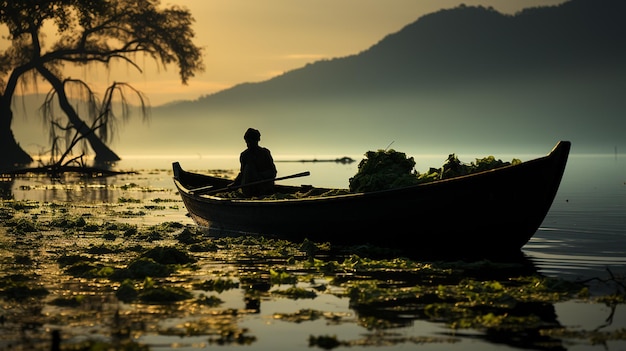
(188, 236)
(143, 268)
(169, 255)
(278, 277)
(20, 205)
(328, 342)
(125, 345)
(296, 293)
(67, 221)
(68, 260)
(160, 200)
(64, 263)
(151, 292)
(325, 341)
(89, 270)
(102, 249)
(211, 301)
(154, 207)
(217, 285)
(128, 186)
(109, 236)
(130, 214)
(220, 328)
(72, 301)
(164, 294)
(168, 227)
(203, 247)
(597, 337)
(23, 259)
(22, 290)
(21, 225)
(128, 200)
(306, 315)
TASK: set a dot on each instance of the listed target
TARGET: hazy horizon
(473, 115)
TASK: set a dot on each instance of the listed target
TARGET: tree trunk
(12, 155)
(103, 153)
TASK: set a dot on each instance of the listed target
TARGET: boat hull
(492, 211)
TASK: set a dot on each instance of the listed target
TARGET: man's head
(252, 135)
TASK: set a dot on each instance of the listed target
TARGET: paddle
(207, 189)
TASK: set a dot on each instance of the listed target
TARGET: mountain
(461, 80)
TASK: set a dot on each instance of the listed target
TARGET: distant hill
(459, 47)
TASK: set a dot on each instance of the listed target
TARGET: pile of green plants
(388, 169)
(384, 169)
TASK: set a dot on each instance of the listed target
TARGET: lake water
(583, 235)
(582, 238)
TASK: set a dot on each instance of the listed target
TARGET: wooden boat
(495, 211)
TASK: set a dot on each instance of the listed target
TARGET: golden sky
(254, 40)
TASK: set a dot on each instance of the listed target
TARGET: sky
(251, 41)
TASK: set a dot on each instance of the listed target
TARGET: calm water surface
(584, 233)
(583, 236)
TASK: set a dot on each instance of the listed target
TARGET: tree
(88, 32)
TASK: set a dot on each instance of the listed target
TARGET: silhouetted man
(256, 164)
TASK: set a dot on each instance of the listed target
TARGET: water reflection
(86, 189)
(426, 300)
(67, 188)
